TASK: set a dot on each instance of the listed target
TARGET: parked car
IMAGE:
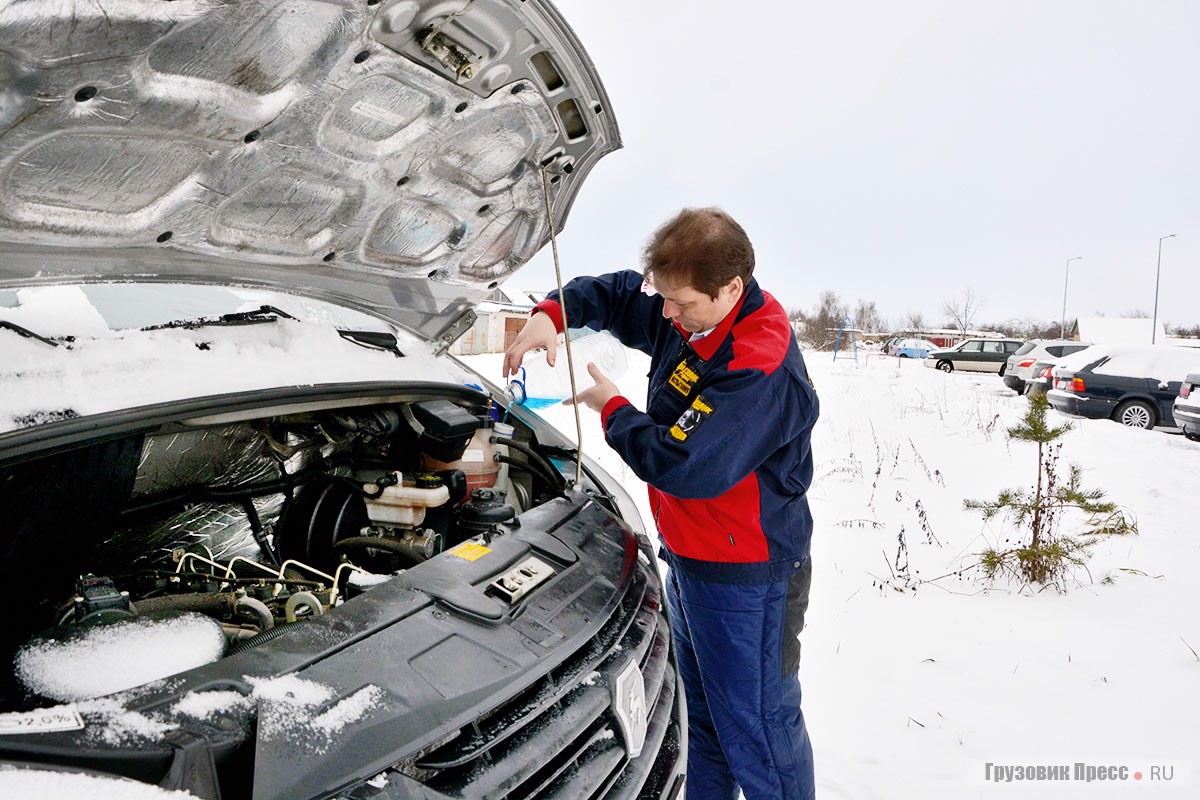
(1019, 369)
(1135, 386)
(912, 348)
(1186, 407)
(975, 355)
(889, 345)
(260, 537)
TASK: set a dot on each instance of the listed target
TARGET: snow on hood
(88, 661)
(386, 156)
(44, 784)
(296, 709)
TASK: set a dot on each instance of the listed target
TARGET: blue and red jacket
(725, 442)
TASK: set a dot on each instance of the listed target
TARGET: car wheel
(904, 355)
(945, 366)
(1195, 437)
(1136, 414)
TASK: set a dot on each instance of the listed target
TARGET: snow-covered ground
(916, 681)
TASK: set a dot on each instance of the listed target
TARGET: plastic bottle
(543, 382)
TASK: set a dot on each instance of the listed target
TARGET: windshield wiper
(28, 334)
(254, 317)
(373, 340)
(370, 339)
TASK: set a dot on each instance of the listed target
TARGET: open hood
(385, 155)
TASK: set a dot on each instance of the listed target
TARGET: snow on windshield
(108, 369)
(1164, 363)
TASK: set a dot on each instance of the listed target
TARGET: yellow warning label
(678, 433)
(469, 551)
(683, 378)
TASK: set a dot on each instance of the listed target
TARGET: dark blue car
(1135, 386)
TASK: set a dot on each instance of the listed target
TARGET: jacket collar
(707, 347)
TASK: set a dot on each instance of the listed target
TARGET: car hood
(390, 157)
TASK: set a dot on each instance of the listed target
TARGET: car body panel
(975, 355)
(1039, 382)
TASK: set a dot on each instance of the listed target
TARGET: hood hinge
(449, 335)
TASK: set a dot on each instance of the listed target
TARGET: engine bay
(209, 537)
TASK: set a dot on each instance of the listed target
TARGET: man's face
(693, 310)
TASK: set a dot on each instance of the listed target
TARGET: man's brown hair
(703, 248)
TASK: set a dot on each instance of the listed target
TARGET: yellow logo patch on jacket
(691, 419)
(683, 379)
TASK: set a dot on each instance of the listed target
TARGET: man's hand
(595, 397)
(539, 331)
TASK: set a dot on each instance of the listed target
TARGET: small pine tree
(1046, 556)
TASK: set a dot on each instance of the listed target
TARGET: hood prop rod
(566, 330)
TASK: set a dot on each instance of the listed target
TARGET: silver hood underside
(382, 155)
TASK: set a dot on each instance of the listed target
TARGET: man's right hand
(539, 331)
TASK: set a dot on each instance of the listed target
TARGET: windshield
(73, 351)
(92, 309)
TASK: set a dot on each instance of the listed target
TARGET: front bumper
(1076, 406)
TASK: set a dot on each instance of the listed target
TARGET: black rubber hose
(393, 546)
(533, 468)
(198, 493)
(260, 536)
(532, 455)
(243, 645)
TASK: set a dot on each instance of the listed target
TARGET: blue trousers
(738, 656)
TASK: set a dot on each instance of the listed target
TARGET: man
(724, 445)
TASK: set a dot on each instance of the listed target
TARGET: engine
(226, 534)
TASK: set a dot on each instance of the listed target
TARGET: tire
(904, 355)
(945, 366)
(1136, 414)
(1195, 437)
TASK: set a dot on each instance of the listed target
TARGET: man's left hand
(595, 397)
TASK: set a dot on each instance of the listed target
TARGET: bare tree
(1184, 332)
(818, 329)
(914, 321)
(867, 317)
(962, 311)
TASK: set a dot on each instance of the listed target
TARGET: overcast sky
(903, 152)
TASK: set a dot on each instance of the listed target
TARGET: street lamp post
(1157, 275)
(1062, 326)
